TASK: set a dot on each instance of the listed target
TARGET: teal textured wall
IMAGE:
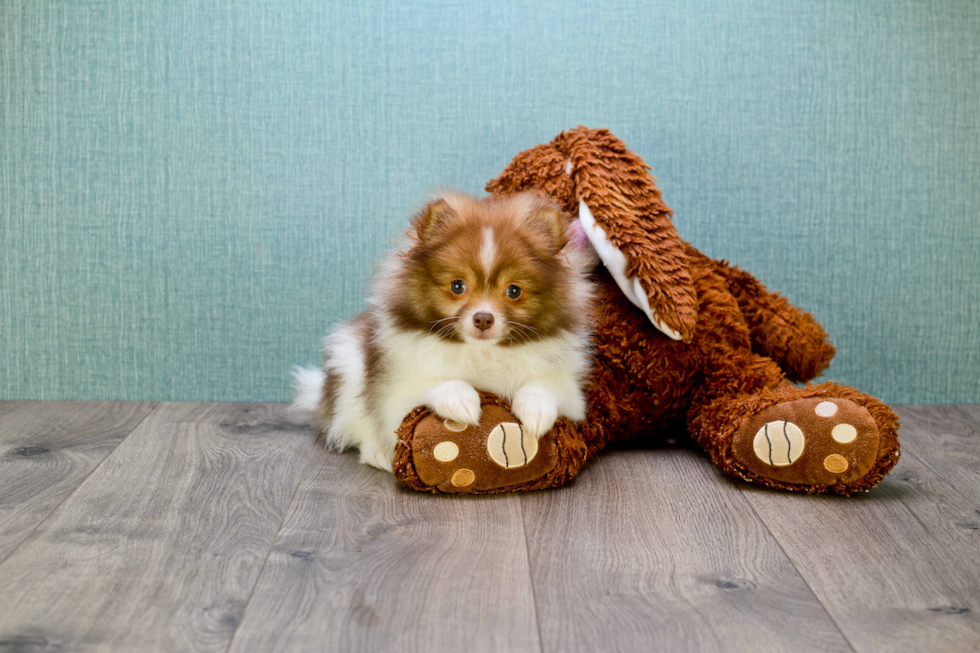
(192, 192)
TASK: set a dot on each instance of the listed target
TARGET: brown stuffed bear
(679, 338)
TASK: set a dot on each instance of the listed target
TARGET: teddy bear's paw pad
(779, 443)
(822, 440)
(496, 453)
(510, 446)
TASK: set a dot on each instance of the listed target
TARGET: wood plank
(656, 551)
(160, 548)
(47, 448)
(364, 565)
(899, 567)
(946, 439)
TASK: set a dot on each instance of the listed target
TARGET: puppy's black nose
(483, 321)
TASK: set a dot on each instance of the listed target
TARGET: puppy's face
(488, 272)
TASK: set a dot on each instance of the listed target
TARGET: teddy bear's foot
(497, 455)
(813, 441)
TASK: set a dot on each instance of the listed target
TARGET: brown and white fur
(444, 318)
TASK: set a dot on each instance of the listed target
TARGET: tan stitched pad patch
(510, 446)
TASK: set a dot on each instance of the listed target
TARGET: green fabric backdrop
(192, 192)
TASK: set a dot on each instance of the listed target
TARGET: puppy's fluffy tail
(307, 390)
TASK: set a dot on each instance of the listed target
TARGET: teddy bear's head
(592, 175)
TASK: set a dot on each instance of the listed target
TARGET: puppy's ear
(547, 218)
(432, 219)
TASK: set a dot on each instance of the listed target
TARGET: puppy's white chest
(495, 369)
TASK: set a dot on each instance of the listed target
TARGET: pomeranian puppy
(491, 294)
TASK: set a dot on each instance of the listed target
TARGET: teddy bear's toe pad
(809, 441)
(496, 453)
(510, 446)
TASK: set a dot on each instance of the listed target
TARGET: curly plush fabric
(727, 377)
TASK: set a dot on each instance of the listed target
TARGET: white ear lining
(615, 262)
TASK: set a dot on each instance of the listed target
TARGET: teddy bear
(680, 341)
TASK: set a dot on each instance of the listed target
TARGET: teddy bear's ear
(622, 213)
(541, 168)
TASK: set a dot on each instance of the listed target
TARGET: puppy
(491, 294)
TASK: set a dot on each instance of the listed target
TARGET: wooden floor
(225, 527)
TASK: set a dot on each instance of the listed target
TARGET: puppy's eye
(458, 286)
(513, 291)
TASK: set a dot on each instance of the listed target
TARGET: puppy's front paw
(537, 409)
(456, 400)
